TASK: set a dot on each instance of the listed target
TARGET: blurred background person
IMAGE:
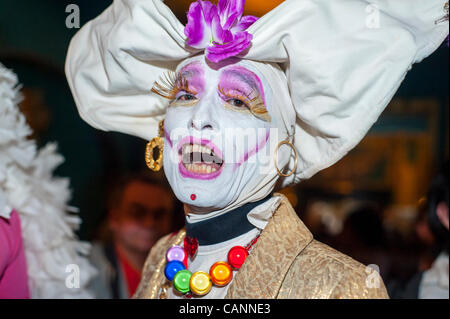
(433, 283)
(140, 210)
(426, 239)
(13, 268)
(40, 254)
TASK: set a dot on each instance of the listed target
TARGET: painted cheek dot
(193, 196)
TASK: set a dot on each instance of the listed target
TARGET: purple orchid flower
(220, 30)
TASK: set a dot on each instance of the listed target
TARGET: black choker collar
(223, 227)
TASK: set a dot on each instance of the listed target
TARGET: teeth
(189, 148)
(201, 168)
(198, 158)
(196, 148)
(205, 149)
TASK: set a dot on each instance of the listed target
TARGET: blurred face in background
(144, 214)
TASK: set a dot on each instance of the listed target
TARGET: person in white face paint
(244, 106)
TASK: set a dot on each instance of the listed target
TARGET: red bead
(237, 256)
(193, 196)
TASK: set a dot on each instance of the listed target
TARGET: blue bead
(172, 268)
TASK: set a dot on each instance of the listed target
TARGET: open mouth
(200, 159)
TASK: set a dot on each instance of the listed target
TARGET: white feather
(28, 186)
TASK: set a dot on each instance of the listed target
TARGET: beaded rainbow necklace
(200, 283)
(209, 232)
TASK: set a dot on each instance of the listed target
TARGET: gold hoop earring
(154, 160)
(275, 158)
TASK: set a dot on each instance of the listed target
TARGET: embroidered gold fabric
(286, 262)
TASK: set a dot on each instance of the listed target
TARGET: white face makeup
(217, 129)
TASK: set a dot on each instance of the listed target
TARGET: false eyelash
(255, 104)
(169, 84)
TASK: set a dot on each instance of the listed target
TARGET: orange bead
(221, 273)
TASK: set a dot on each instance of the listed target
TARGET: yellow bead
(221, 273)
(200, 283)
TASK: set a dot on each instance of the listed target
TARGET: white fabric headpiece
(342, 60)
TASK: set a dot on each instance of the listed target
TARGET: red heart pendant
(190, 246)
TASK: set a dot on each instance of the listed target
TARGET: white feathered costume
(27, 185)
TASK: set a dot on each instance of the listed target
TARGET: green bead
(181, 281)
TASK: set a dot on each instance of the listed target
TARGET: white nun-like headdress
(343, 62)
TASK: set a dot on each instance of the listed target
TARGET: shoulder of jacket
(329, 255)
(347, 278)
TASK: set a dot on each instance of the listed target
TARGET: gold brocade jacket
(286, 262)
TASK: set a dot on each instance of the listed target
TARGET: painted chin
(199, 159)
